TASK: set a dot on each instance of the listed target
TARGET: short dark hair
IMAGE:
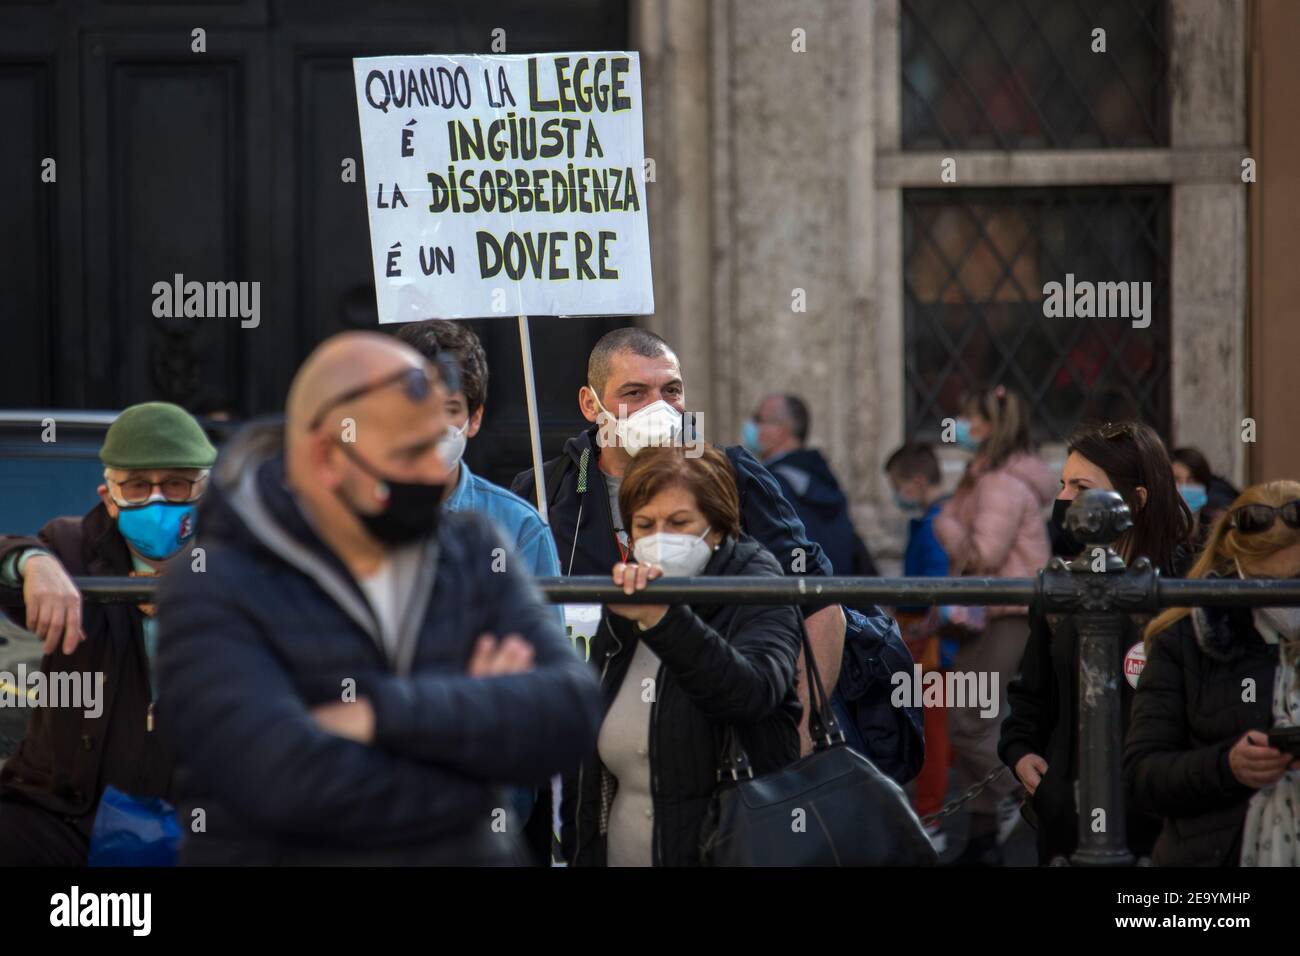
(915, 458)
(796, 409)
(631, 339)
(435, 336)
(709, 476)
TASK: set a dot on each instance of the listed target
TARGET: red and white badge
(1134, 661)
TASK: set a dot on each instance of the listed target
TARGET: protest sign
(505, 185)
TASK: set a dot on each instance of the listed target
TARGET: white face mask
(680, 555)
(654, 426)
(1284, 620)
(451, 446)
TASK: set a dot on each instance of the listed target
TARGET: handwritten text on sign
(505, 185)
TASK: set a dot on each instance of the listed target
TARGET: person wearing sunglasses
(1206, 748)
(156, 462)
(356, 678)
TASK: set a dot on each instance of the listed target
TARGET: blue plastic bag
(133, 831)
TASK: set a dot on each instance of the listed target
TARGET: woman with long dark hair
(1040, 735)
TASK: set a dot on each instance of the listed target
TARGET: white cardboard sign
(505, 185)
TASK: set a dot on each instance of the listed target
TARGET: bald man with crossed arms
(354, 675)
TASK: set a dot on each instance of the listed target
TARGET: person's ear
(587, 404)
(109, 503)
(474, 423)
(1141, 493)
(321, 455)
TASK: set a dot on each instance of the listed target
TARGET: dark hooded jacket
(729, 665)
(274, 624)
(67, 758)
(1187, 714)
(583, 524)
(808, 484)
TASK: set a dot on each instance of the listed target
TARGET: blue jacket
(519, 521)
(926, 558)
(275, 625)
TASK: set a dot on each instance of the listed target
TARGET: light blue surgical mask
(907, 504)
(749, 438)
(962, 434)
(1194, 495)
(157, 529)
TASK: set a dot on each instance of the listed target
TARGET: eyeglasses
(415, 381)
(136, 491)
(1252, 519)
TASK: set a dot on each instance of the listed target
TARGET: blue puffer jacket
(274, 625)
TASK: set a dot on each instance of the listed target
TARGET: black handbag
(830, 808)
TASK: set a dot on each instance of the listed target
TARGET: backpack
(893, 738)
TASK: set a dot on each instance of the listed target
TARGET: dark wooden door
(226, 165)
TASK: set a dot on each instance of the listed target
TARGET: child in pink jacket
(993, 526)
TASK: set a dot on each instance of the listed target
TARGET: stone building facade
(779, 170)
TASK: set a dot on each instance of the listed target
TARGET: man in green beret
(93, 723)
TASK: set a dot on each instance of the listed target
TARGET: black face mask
(1064, 544)
(411, 513)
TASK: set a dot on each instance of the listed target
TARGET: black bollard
(1099, 591)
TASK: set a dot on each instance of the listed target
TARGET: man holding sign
(635, 397)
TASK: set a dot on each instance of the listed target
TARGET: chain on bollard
(974, 791)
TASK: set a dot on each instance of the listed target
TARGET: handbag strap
(823, 726)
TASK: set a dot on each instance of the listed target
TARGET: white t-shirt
(389, 590)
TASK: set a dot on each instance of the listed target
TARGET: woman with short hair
(675, 678)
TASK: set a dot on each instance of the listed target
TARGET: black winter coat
(721, 665)
(1043, 719)
(1187, 714)
(66, 759)
(275, 625)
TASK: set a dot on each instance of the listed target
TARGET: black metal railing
(1096, 592)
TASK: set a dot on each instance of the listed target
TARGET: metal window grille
(975, 265)
(1023, 74)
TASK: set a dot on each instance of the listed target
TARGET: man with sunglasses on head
(156, 460)
(356, 678)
